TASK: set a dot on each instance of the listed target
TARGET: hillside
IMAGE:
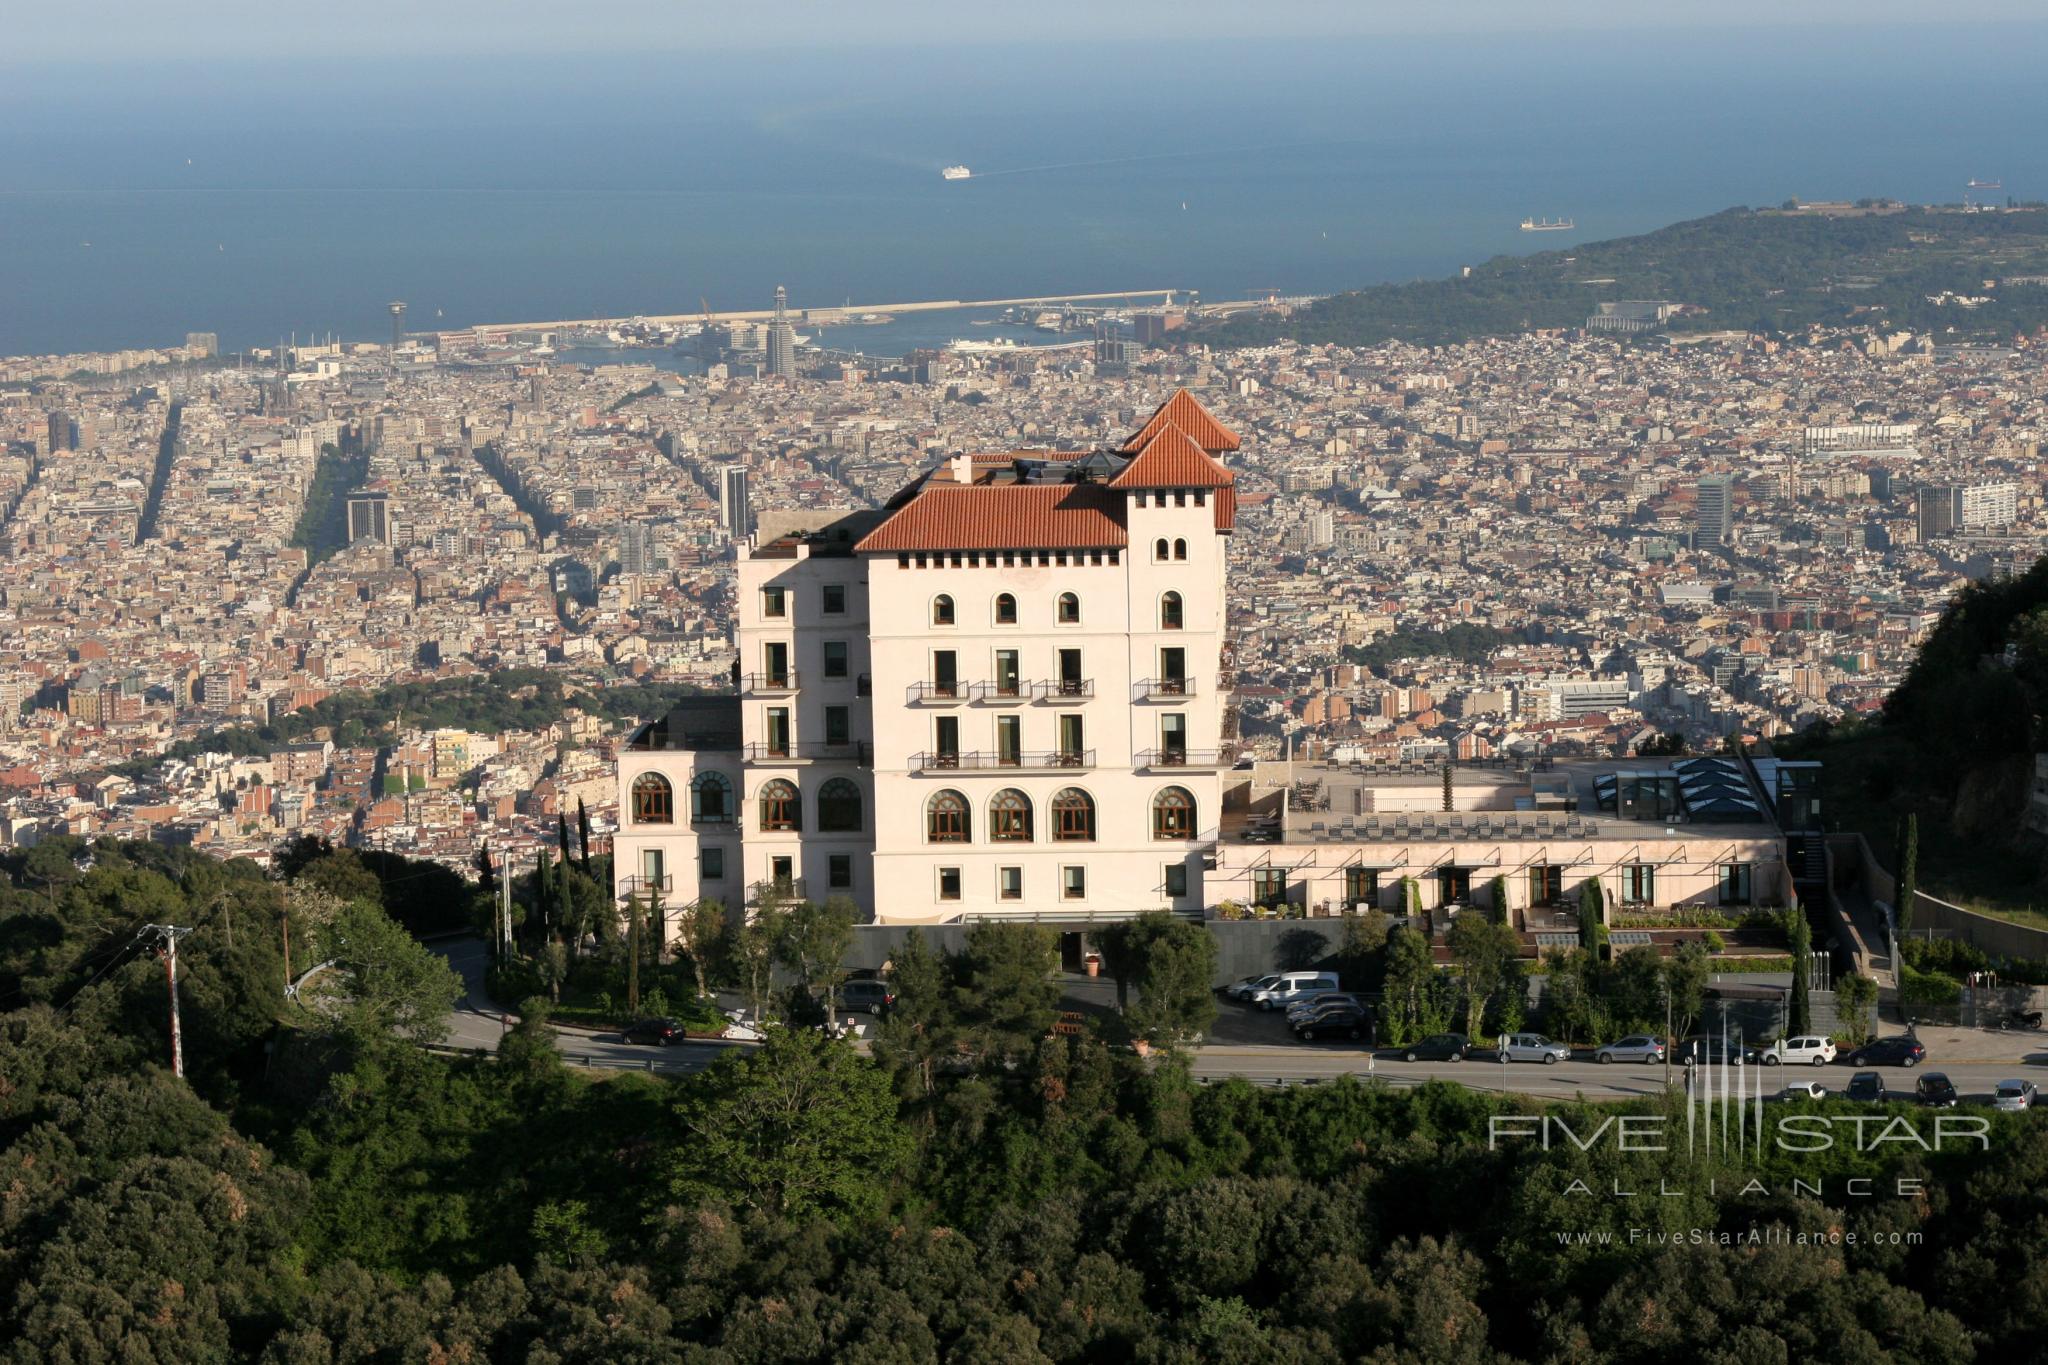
(1955, 751)
(1766, 270)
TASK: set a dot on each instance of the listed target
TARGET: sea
(269, 201)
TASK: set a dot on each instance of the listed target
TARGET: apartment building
(997, 696)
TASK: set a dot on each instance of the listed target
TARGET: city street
(1255, 1045)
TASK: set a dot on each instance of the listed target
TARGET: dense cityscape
(1535, 545)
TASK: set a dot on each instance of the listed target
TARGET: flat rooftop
(1596, 799)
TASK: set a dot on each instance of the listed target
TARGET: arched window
(1070, 609)
(711, 799)
(839, 807)
(1159, 549)
(1180, 549)
(654, 800)
(1073, 815)
(1173, 814)
(1009, 817)
(1006, 609)
(942, 610)
(782, 809)
(1170, 616)
(946, 818)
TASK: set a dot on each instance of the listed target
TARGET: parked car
(1334, 1021)
(2013, 1096)
(1809, 1050)
(1867, 1086)
(1297, 1015)
(660, 1032)
(1640, 1047)
(866, 997)
(1714, 1051)
(1899, 1050)
(1804, 1090)
(1936, 1089)
(742, 1027)
(1438, 1047)
(1301, 1009)
(1534, 1047)
(1289, 987)
(1242, 989)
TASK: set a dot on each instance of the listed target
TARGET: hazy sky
(130, 30)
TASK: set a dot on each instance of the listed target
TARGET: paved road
(478, 1023)
(1256, 1045)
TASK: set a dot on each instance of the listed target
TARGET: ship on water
(1548, 225)
(956, 173)
(1987, 185)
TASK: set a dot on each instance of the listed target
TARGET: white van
(1289, 987)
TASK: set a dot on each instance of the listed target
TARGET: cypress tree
(583, 833)
(1909, 871)
(542, 891)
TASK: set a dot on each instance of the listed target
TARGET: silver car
(1242, 989)
(1638, 1047)
(1533, 1047)
(2013, 1096)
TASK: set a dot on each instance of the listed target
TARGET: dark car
(660, 1032)
(1332, 1021)
(1714, 1051)
(1936, 1089)
(1867, 1086)
(1438, 1047)
(866, 997)
(1895, 1051)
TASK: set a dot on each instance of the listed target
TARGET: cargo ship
(1987, 185)
(1546, 225)
(956, 173)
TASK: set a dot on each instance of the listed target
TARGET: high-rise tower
(781, 339)
(1714, 509)
(397, 307)
(735, 506)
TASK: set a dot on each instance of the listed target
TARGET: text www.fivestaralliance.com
(1602, 1237)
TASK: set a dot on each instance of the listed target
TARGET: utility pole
(167, 936)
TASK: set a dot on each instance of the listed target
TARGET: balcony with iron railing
(979, 760)
(810, 751)
(949, 693)
(785, 681)
(1162, 689)
(782, 888)
(1184, 758)
(631, 888)
(1065, 691)
(1001, 692)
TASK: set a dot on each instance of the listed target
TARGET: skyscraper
(397, 307)
(735, 508)
(369, 516)
(1715, 510)
(781, 339)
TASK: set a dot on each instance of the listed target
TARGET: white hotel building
(997, 696)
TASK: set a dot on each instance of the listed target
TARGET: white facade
(1000, 697)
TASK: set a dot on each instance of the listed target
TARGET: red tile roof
(1171, 459)
(1183, 410)
(1060, 516)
